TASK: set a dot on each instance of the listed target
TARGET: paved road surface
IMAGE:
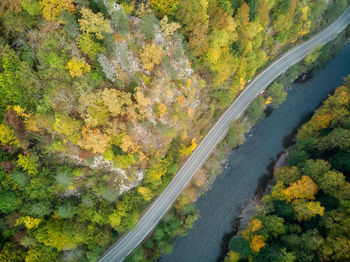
(124, 246)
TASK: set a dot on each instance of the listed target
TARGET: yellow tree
(29, 222)
(52, 8)
(77, 66)
(7, 136)
(164, 7)
(306, 210)
(232, 257)
(151, 55)
(145, 192)
(257, 243)
(94, 140)
(304, 188)
(168, 29)
(68, 127)
(28, 163)
(94, 23)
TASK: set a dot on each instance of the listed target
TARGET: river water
(248, 165)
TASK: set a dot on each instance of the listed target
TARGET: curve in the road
(124, 246)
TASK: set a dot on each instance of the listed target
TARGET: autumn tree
(89, 46)
(164, 7)
(193, 15)
(304, 188)
(151, 55)
(306, 210)
(7, 136)
(94, 23)
(77, 66)
(93, 139)
(257, 243)
(52, 8)
(28, 163)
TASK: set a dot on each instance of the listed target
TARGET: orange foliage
(94, 139)
(257, 243)
(304, 188)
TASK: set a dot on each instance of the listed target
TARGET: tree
(70, 24)
(240, 245)
(11, 253)
(8, 202)
(28, 163)
(58, 234)
(52, 8)
(66, 210)
(332, 183)
(94, 23)
(263, 12)
(232, 257)
(89, 46)
(257, 243)
(272, 226)
(29, 222)
(287, 175)
(40, 209)
(304, 188)
(94, 140)
(235, 136)
(68, 127)
(164, 7)
(315, 168)
(193, 15)
(151, 55)
(277, 93)
(7, 136)
(41, 254)
(305, 210)
(145, 192)
(168, 29)
(77, 66)
(255, 110)
(32, 7)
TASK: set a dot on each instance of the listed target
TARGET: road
(124, 246)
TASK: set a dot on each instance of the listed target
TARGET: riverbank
(195, 240)
(305, 218)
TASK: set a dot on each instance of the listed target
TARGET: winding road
(124, 246)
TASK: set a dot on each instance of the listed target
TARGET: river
(249, 165)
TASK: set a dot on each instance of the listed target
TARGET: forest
(306, 215)
(102, 101)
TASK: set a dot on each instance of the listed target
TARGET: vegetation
(101, 102)
(306, 216)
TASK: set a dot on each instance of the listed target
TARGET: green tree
(9, 202)
(235, 136)
(277, 93)
(255, 110)
(67, 210)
